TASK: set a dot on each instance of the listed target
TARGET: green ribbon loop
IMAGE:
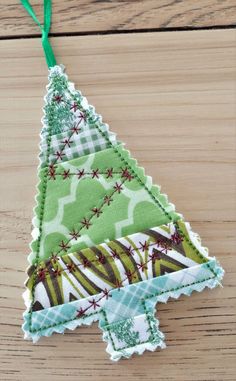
(50, 58)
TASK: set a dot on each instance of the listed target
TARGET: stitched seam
(85, 173)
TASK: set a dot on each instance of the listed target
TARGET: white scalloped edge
(128, 352)
(59, 328)
(196, 239)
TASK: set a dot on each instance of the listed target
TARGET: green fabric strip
(49, 55)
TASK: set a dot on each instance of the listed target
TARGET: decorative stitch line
(108, 257)
(95, 173)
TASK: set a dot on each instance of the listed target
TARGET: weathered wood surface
(171, 98)
(73, 16)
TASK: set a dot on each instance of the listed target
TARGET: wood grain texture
(73, 16)
(171, 98)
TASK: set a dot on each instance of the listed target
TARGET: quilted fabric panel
(107, 244)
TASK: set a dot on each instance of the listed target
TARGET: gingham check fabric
(57, 318)
(70, 145)
(127, 302)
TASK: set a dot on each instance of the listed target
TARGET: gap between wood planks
(124, 31)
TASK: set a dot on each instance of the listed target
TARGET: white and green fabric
(107, 244)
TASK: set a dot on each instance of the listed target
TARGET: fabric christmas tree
(107, 244)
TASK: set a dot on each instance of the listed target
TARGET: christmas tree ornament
(107, 244)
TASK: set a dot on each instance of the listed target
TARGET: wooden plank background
(73, 16)
(171, 97)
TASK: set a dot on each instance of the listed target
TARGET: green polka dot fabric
(107, 245)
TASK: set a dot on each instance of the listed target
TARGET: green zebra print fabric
(118, 263)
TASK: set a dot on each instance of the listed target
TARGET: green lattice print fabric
(107, 244)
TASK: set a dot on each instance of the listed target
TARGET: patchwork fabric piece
(127, 260)
(107, 244)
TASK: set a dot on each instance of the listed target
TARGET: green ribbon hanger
(50, 58)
